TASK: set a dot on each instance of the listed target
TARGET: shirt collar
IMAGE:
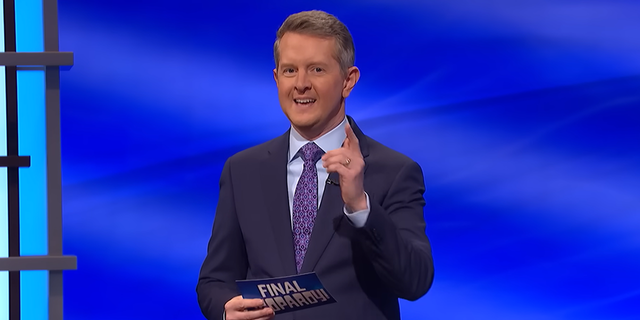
(327, 142)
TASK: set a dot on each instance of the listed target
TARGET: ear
(353, 75)
(275, 76)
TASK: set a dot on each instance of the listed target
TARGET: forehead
(299, 48)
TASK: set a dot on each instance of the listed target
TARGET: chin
(304, 123)
(303, 120)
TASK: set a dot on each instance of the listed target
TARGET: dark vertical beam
(12, 150)
(54, 175)
(52, 105)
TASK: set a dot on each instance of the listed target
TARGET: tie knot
(311, 153)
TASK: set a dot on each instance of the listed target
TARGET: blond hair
(321, 24)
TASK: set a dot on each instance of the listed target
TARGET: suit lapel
(276, 196)
(331, 211)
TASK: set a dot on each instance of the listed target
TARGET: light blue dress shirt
(329, 141)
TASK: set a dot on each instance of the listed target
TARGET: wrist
(359, 204)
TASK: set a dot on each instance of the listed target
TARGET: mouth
(304, 102)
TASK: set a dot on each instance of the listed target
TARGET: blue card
(286, 294)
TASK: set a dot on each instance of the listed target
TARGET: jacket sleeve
(394, 239)
(226, 259)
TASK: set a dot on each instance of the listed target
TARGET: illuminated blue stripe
(34, 304)
(29, 26)
(33, 191)
(4, 210)
(31, 141)
(4, 199)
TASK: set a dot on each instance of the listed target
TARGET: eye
(288, 71)
(318, 69)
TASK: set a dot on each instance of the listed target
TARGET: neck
(315, 132)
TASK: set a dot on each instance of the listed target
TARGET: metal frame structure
(50, 60)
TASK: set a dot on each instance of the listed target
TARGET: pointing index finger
(354, 144)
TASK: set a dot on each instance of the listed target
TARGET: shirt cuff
(358, 218)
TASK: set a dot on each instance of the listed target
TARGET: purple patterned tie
(305, 201)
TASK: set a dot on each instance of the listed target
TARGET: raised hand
(348, 162)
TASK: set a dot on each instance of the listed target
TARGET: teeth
(304, 100)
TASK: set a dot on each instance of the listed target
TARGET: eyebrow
(291, 65)
(285, 65)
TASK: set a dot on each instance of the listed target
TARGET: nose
(302, 83)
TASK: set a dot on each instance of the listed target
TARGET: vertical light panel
(32, 142)
(4, 213)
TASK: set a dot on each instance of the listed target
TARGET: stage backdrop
(524, 116)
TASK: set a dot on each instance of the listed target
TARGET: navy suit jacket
(366, 269)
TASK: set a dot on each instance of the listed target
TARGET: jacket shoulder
(383, 155)
(255, 154)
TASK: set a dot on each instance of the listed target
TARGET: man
(322, 197)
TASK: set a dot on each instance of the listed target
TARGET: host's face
(311, 86)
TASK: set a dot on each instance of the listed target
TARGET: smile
(304, 101)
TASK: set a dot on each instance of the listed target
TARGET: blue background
(523, 115)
